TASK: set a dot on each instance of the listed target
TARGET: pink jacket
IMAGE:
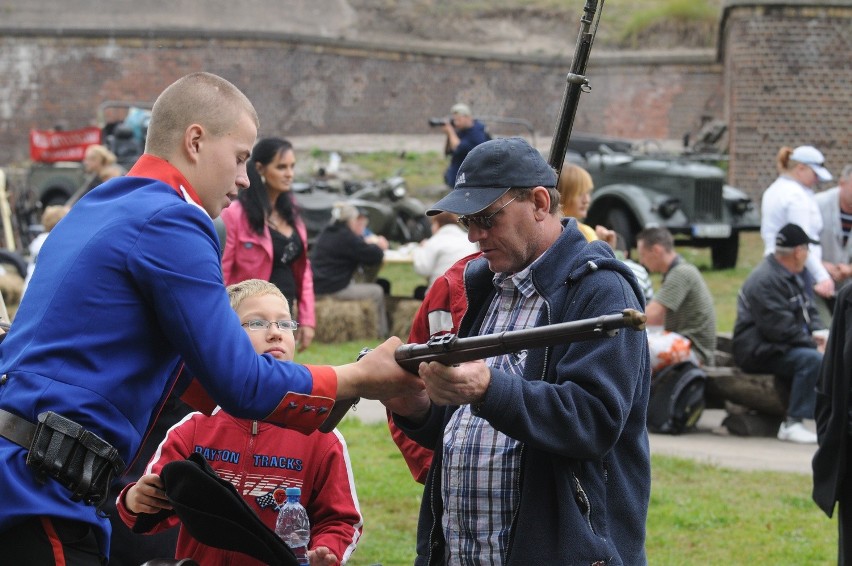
(248, 255)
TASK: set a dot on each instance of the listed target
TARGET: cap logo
(460, 180)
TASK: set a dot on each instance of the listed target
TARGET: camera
(435, 122)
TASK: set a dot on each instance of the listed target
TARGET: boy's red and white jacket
(261, 460)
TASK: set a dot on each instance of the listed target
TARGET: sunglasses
(484, 221)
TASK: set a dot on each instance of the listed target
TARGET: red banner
(48, 146)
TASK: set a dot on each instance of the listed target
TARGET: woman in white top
(790, 199)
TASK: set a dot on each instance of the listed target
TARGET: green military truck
(685, 193)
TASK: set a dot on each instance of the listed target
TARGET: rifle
(577, 84)
(449, 349)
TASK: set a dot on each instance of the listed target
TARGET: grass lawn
(699, 514)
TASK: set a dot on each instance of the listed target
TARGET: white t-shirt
(788, 201)
(437, 254)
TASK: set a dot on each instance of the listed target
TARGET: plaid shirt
(479, 483)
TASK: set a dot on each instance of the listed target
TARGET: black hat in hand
(214, 513)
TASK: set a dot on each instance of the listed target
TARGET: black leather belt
(17, 429)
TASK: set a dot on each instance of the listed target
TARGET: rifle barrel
(576, 83)
(454, 350)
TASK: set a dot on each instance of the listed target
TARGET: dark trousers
(844, 528)
(800, 366)
(844, 513)
(46, 541)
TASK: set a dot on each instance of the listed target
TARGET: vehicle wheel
(55, 199)
(15, 260)
(618, 219)
(724, 252)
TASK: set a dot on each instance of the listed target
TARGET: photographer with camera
(463, 134)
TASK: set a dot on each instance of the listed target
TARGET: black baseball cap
(791, 236)
(490, 170)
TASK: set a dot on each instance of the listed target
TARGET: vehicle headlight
(667, 208)
(741, 206)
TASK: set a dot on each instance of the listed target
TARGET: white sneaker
(797, 433)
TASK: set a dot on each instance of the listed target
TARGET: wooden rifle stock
(577, 84)
(449, 349)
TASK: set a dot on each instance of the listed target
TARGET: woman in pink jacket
(266, 238)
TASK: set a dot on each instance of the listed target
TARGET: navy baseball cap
(491, 169)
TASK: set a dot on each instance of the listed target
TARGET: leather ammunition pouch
(65, 451)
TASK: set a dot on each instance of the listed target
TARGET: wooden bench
(756, 402)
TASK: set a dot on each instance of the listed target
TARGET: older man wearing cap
(543, 455)
(777, 328)
(463, 134)
(790, 199)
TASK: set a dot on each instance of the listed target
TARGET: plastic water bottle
(293, 525)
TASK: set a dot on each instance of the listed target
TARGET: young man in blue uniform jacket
(129, 303)
(541, 457)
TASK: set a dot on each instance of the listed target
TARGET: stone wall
(305, 86)
(787, 81)
(781, 76)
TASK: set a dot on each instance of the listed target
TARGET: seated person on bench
(774, 330)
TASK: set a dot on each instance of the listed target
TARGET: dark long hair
(255, 199)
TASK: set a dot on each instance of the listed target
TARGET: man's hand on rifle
(413, 407)
(377, 375)
(456, 385)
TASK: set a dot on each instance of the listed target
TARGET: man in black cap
(542, 453)
(778, 328)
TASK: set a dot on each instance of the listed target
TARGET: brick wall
(787, 81)
(303, 87)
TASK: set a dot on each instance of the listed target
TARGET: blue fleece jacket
(580, 413)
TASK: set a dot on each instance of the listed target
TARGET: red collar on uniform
(152, 167)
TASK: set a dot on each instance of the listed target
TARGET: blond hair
(573, 182)
(238, 292)
(198, 98)
(52, 215)
(103, 153)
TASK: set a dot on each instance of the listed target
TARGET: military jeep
(685, 193)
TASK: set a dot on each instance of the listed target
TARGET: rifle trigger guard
(442, 340)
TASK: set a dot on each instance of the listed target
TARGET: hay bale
(344, 321)
(401, 311)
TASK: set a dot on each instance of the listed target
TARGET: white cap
(344, 212)
(813, 158)
(462, 109)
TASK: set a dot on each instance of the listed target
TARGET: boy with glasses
(260, 459)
